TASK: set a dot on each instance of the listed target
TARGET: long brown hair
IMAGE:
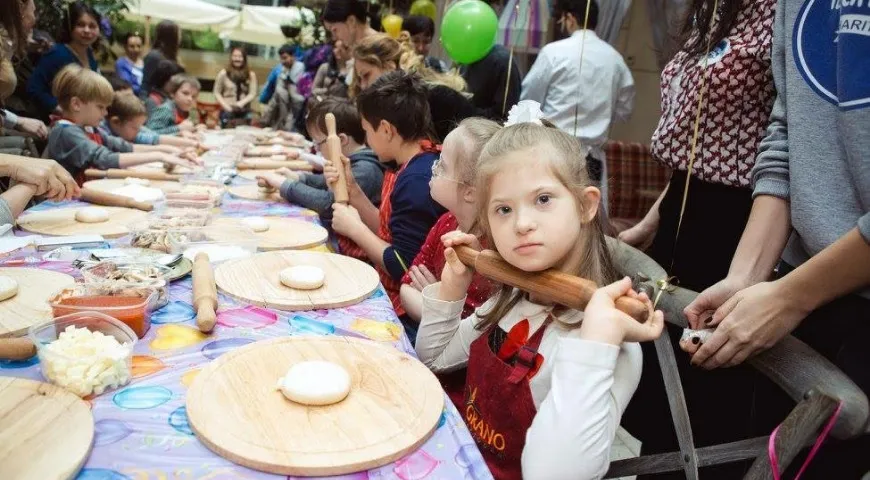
(12, 19)
(381, 49)
(569, 167)
(166, 39)
(696, 32)
(238, 75)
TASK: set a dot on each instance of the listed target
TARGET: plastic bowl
(221, 243)
(56, 367)
(157, 278)
(128, 304)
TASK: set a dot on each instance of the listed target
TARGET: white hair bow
(526, 111)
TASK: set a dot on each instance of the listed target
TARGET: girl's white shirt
(580, 392)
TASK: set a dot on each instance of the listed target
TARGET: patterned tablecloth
(142, 430)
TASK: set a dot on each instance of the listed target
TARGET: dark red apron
(499, 407)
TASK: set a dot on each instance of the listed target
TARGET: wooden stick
(551, 285)
(204, 293)
(333, 154)
(16, 348)
(123, 173)
(274, 164)
(98, 197)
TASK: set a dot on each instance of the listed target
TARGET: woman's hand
(456, 277)
(602, 322)
(47, 176)
(33, 127)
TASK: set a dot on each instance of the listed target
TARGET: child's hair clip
(526, 111)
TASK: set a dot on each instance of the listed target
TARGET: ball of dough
(315, 383)
(257, 224)
(302, 277)
(92, 215)
(8, 288)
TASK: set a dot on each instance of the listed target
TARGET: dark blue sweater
(413, 215)
(39, 85)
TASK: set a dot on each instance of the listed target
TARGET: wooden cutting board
(283, 233)
(61, 221)
(251, 191)
(255, 280)
(30, 306)
(393, 407)
(45, 431)
(110, 184)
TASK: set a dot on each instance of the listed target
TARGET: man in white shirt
(581, 98)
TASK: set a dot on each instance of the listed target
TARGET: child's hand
(455, 277)
(421, 277)
(190, 135)
(330, 173)
(345, 219)
(174, 160)
(602, 322)
(288, 174)
(172, 150)
(293, 155)
(186, 126)
(201, 127)
(274, 180)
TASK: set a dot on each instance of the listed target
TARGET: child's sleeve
(316, 180)
(591, 386)
(162, 120)
(146, 136)
(309, 197)
(370, 179)
(414, 214)
(444, 338)
(116, 144)
(70, 147)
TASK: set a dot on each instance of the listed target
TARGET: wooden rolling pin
(204, 293)
(122, 173)
(20, 348)
(274, 164)
(551, 285)
(98, 197)
(333, 154)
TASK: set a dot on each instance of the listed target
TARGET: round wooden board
(61, 221)
(251, 191)
(252, 174)
(45, 431)
(256, 280)
(111, 184)
(393, 407)
(30, 305)
(283, 233)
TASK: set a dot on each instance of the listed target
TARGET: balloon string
(580, 68)
(507, 84)
(694, 150)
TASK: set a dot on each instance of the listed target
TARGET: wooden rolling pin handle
(95, 173)
(16, 348)
(204, 293)
(333, 144)
(551, 285)
(121, 173)
(111, 200)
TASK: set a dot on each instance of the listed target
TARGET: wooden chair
(810, 379)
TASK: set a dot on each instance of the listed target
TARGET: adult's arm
(218, 91)
(537, 81)
(252, 91)
(39, 84)
(13, 201)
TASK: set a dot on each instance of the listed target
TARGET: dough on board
(315, 383)
(257, 224)
(8, 288)
(302, 277)
(92, 215)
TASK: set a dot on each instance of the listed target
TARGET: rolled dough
(8, 288)
(302, 277)
(92, 215)
(315, 383)
(257, 224)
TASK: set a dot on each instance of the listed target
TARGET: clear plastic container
(171, 219)
(221, 243)
(129, 304)
(71, 371)
(206, 205)
(119, 275)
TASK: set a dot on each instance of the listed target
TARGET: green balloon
(425, 8)
(468, 31)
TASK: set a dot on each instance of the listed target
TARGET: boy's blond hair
(87, 85)
(180, 79)
(126, 106)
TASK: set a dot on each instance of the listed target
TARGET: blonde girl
(378, 54)
(546, 386)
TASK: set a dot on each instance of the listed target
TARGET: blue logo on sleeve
(832, 50)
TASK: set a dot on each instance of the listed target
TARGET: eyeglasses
(319, 145)
(438, 171)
